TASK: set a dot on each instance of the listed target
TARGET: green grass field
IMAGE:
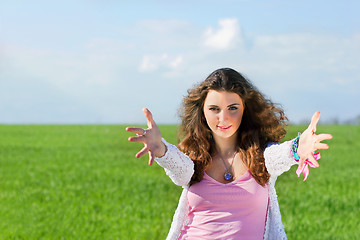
(83, 182)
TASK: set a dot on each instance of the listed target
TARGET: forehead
(222, 98)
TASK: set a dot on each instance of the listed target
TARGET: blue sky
(103, 61)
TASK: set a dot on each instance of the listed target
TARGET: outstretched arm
(178, 166)
(309, 142)
(280, 157)
(150, 137)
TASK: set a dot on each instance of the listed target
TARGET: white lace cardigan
(180, 168)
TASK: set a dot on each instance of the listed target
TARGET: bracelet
(294, 148)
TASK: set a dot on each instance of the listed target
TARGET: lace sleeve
(279, 158)
(178, 166)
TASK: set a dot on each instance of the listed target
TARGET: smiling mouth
(224, 128)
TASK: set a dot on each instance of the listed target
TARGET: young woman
(228, 159)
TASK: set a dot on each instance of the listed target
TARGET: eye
(213, 109)
(233, 108)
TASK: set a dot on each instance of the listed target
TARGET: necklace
(228, 175)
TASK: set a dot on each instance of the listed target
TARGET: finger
(321, 146)
(301, 161)
(313, 160)
(142, 152)
(149, 117)
(136, 130)
(314, 121)
(140, 139)
(324, 136)
(151, 158)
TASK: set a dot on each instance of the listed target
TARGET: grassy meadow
(83, 182)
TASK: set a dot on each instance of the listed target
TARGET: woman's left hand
(309, 142)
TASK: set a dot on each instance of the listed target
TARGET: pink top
(236, 210)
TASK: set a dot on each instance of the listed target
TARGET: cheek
(209, 118)
(237, 118)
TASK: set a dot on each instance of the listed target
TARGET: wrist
(162, 150)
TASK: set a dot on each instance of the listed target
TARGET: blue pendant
(228, 176)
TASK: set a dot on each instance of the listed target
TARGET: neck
(226, 147)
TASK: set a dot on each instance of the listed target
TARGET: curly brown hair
(263, 122)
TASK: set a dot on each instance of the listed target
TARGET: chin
(225, 135)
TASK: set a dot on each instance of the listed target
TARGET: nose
(223, 115)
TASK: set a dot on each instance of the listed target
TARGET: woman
(228, 159)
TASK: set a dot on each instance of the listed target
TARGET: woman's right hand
(150, 137)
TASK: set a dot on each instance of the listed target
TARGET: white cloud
(225, 36)
(147, 64)
(154, 62)
(176, 62)
(167, 57)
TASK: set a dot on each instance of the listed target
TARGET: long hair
(262, 122)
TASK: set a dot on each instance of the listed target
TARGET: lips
(224, 128)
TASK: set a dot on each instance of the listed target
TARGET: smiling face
(223, 113)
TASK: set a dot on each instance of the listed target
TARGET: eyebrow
(234, 104)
